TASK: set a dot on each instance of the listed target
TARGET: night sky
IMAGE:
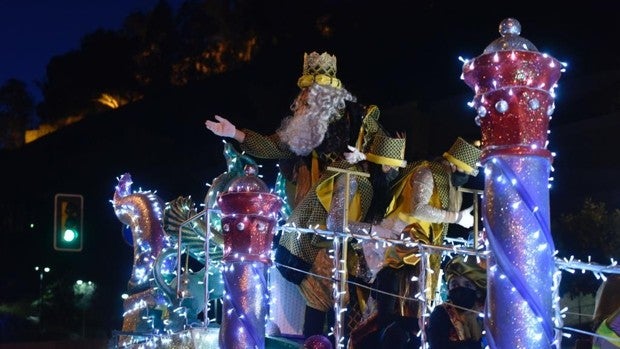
(34, 31)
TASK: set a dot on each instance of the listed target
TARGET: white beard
(313, 110)
(303, 133)
(306, 128)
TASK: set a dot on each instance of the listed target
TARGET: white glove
(465, 219)
(354, 156)
(222, 127)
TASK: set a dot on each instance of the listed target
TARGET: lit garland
(448, 250)
(452, 247)
(143, 318)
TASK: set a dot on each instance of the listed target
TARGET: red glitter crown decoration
(513, 85)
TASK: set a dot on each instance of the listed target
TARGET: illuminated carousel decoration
(514, 100)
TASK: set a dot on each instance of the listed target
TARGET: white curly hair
(313, 109)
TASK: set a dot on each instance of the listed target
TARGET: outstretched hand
(221, 127)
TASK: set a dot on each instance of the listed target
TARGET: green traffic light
(68, 222)
(69, 235)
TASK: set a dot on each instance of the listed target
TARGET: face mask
(463, 297)
(391, 175)
(459, 178)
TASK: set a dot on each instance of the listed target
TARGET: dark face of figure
(381, 177)
(317, 122)
(459, 179)
(462, 292)
(391, 173)
(306, 128)
(463, 297)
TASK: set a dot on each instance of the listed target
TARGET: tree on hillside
(215, 37)
(592, 233)
(152, 51)
(160, 48)
(156, 45)
(74, 81)
(16, 112)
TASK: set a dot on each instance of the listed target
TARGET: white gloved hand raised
(465, 218)
(354, 156)
(221, 127)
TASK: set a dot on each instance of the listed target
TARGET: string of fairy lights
(461, 246)
(453, 246)
(339, 279)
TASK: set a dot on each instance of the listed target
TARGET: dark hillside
(161, 141)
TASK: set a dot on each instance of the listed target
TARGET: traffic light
(68, 222)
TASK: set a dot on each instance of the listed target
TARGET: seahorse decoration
(146, 308)
(142, 212)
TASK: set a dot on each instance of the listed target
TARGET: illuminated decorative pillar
(249, 218)
(514, 100)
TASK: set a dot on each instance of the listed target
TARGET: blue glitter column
(513, 85)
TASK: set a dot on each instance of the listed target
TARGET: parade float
(226, 302)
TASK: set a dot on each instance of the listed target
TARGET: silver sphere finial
(510, 40)
(510, 26)
(250, 169)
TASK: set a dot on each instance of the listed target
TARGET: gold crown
(320, 69)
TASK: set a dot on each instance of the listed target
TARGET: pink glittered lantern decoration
(249, 219)
(250, 214)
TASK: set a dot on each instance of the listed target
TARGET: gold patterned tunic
(424, 195)
(321, 208)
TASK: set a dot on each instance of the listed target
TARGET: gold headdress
(370, 127)
(319, 69)
(463, 155)
(388, 151)
(469, 269)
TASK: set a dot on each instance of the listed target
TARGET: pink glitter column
(513, 85)
(249, 217)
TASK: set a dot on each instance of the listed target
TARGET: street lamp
(83, 292)
(42, 271)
